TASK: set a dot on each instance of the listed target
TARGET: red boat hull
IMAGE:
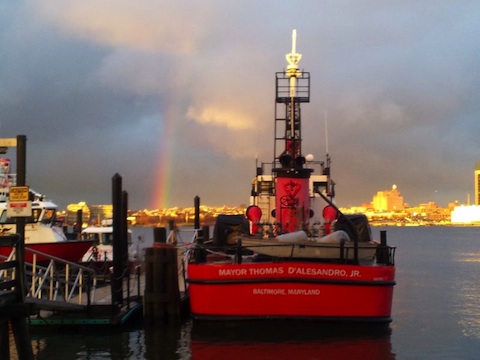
(67, 250)
(291, 290)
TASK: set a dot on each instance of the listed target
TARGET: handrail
(345, 253)
(10, 287)
(57, 279)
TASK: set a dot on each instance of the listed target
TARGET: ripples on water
(436, 315)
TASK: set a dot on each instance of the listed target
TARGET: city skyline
(369, 203)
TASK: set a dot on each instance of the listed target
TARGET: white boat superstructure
(42, 226)
(102, 250)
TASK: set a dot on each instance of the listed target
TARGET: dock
(99, 312)
(153, 291)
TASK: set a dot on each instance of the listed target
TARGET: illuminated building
(477, 183)
(388, 200)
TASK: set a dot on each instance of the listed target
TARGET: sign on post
(19, 209)
(18, 193)
(19, 204)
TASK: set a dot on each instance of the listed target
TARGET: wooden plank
(8, 265)
(51, 305)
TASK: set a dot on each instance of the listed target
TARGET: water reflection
(87, 343)
(467, 304)
(289, 340)
(220, 340)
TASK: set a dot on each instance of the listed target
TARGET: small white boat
(102, 248)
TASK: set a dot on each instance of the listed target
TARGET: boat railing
(267, 167)
(56, 280)
(237, 253)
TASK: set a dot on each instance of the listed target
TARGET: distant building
(466, 214)
(100, 212)
(388, 200)
(72, 213)
(91, 214)
(477, 183)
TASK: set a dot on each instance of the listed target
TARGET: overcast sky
(178, 96)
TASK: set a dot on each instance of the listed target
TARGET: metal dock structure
(60, 292)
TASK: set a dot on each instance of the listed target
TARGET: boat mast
(292, 207)
(293, 73)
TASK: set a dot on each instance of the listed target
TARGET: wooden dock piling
(13, 310)
(162, 297)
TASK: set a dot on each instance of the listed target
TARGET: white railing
(56, 279)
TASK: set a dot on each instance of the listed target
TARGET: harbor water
(436, 315)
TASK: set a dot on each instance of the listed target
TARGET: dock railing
(55, 280)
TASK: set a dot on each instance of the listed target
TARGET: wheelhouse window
(4, 219)
(100, 238)
(49, 216)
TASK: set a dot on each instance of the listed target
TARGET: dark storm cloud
(98, 86)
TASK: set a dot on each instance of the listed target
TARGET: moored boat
(43, 232)
(294, 255)
(102, 248)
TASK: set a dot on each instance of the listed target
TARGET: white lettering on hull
(317, 272)
(290, 270)
(232, 272)
(305, 292)
(266, 271)
(269, 292)
(302, 292)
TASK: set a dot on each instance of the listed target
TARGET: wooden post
(13, 309)
(206, 232)
(19, 321)
(78, 225)
(197, 212)
(124, 237)
(4, 340)
(20, 221)
(383, 256)
(159, 235)
(162, 296)
(199, 254)
(118, 258)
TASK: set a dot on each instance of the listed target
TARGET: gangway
(57, 288)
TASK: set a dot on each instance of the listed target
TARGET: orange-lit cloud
(219, 117)
(172, 27)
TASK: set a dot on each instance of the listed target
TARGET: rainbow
(162, 187)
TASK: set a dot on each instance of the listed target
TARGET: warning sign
(19, 208)
(18, 193)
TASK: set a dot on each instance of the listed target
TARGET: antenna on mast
(326, 131)
(293, 58)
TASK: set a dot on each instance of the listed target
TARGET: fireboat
(294, 254)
